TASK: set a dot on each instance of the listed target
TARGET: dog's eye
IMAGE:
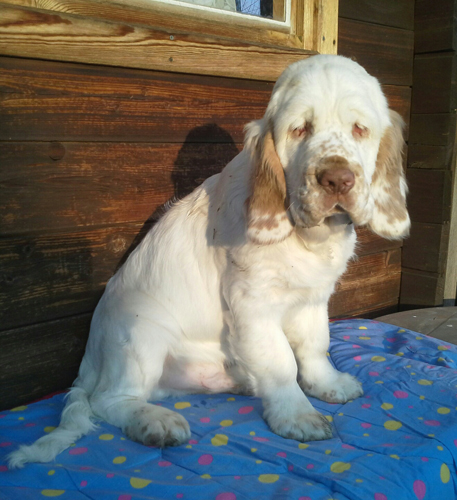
(300, 132)
(359, 131)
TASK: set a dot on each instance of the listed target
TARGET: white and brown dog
(229, 291)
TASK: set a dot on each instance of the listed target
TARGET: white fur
(199, 307)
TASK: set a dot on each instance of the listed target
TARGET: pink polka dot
(365, 425)
(366, 405)
(310, 466)
(347, 447)
(260, 439)
(110, 475)
(30, 424)
(226, 496)
(3, 468)
(380, 496)
(373, 374)
(83, 484)
(205, 420)
(205, 459)
(236, 477)
(424, 459)
(400, 394)
(124, 497)
(419, 489)
(245, 409)
(84, 467)
(433, 423)
(179, 495)
(355, 346)
(193, 441)
(357, 358)
(455, 442)
(77, 451)
(387, 445)
(346, 337)
(304, 498)
(4, 444)
(391, 339)
(164, 463)
(410, 406)
(281, 454)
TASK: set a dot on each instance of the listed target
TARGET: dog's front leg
(308, 333)
(260, 346)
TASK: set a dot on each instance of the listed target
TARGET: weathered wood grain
(435, 80)
(434, 26)
(26, 32)
(432, 129)
(429, 199)
(388, 12)
(49, 185)
(421, 289)
(386, 53)
(40, 359)
(431, 157)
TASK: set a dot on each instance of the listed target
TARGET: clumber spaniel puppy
(229, 291)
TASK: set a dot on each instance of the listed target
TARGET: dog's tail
(76, 421)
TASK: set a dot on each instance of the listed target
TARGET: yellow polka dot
(408, 366)
(392, 425)
(258, 461)
(21, 418)
(442, 348)
(419, 338)
(362, 327)
(49, 428)
(180, 477)
(420, 418)
(445, 474)
(226, 423)
(422, 381)
(106, 437)
(22, 408)
(401, 331)
(399, 353)
(52, 493)
(72, 445)
(378, 359)
(329, 418)
(303, 446)
(365, 435)
(365, 338)
(359, 480)
(205, 476)
(370, 455)
(340, 414)
(441, 360)
(181, 405)
(395, 456)
(231, 399)
(431, 435)
(421, 397)
(327, 452)
(51, 472)
(122, 439)
(387, 406)
(413, 373)
(253, 450)
(328, 354)
(219, 440)
(440, 448)
(137, 470)
(379, 382)
(138, 483)
(339, 467)
(268, 478)
(443, 410)
(119, 460)
(252, 433)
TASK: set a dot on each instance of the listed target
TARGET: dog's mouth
(305, 217)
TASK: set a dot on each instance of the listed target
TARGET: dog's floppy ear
(267, 220)
(388, 186)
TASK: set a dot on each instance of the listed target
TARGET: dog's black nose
(337, 180)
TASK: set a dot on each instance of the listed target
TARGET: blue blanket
(398, 441)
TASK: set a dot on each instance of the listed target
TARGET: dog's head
(328, 144)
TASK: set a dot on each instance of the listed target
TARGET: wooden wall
(431, 158)
(89, 154)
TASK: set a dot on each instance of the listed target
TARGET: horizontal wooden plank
(40, 359)
(426, 247)
(424, 156)
(25, 32)
(434, 26)
(435, 80)
(420, 289)
(55, 101)
(388, 12)
(432, 129)
(386, 53)
(369, 242)
(429, 198)
(399, 99)
(49, 186)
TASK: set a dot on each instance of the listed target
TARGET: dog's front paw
(339, 390)
(300, 425)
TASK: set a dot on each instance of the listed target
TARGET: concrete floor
(438, 322)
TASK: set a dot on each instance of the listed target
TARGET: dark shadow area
(205, 152)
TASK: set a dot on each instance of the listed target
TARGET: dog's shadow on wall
(205, 152)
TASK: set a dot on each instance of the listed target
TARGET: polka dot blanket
(398, 441)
